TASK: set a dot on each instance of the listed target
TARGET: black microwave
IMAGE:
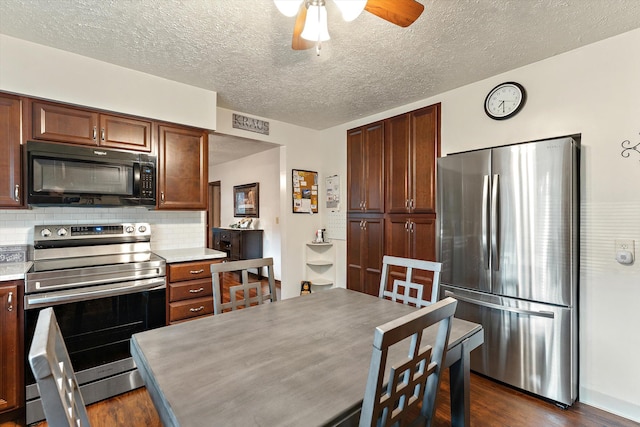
(70, 175)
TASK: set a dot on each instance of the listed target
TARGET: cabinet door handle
(195, 291)
(197, 271)
(10, 302)
(162, 196)
(411, 203)
(102, 134)
(406, 225)
(194, 310)
(16, 192)
(95, 133)
(412, 226)
(406, 203)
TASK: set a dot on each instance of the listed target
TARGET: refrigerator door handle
(547, 314)
(485, 221)
(495, 222)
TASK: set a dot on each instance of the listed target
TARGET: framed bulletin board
(305, 191)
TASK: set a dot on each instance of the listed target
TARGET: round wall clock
(505, 100)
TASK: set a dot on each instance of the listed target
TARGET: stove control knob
(45, 232)
(129, 229)
(142, 229)
(62, 232)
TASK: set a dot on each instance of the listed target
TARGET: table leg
(459, 383)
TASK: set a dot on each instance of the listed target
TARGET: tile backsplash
(169, 229)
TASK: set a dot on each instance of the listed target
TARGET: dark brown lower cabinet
(11, 355)
(365, 247)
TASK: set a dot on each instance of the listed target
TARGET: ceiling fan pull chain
(318, 45)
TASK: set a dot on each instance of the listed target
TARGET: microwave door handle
(137, 178)
(495, 222)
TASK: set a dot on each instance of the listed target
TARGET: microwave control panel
(147, 180)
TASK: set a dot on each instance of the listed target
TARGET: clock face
(505, 100)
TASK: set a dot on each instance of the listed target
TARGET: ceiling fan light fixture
(288, 7)
(315, 26)
(350, 9)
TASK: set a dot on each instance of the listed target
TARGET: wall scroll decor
(628, 147)
(246, 200)
(305, 191)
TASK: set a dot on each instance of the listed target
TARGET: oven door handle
(84, 294)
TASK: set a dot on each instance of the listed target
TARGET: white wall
(263, 168)
(592, 91)
(31, 69)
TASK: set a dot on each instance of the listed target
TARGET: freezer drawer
(531, 346)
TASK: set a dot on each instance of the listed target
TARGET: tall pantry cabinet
(404, 176)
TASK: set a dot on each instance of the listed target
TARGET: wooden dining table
(298, 362)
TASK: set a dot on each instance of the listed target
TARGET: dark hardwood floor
(492, 405)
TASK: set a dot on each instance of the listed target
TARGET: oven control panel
(69, 231)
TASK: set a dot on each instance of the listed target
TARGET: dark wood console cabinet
(238, 243)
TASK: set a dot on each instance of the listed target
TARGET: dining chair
(392, 396)
(407, 291)
(246, 288)
(61, 398)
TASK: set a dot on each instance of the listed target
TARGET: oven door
(97, 326)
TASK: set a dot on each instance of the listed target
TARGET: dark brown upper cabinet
(365, 171)
(412, 144)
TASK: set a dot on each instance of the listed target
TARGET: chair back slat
(245, 288)
(403, 290)
(414, 380)
(59, 392)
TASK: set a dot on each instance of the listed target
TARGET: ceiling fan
(310, 28)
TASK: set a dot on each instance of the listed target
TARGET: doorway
(213, 211)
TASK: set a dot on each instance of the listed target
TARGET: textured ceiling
(241, 48)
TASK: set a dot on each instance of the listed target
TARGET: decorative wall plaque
(250, 124)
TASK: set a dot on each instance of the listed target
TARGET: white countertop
(189, 254)
(14, 270)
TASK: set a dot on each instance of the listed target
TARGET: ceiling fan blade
(399, 12)
(297, 42)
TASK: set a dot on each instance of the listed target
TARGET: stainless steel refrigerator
(508, 241)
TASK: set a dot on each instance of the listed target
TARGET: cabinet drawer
(188, 309)
(190, 270)
(190, 289)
